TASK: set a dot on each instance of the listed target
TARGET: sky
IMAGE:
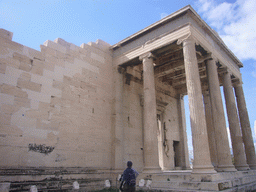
(81, 21)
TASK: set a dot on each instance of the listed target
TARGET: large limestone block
(13, 90)
(4, 187)
(25, 62)
(55, 46)
(9, 61)
(10, 130)
(99, 44)
(9, 109)
(48, 52)
(29, 85)
(5, 119)
(6, 99)
(11, 45)
(4, 51)
(11, 156)
(32, 53)
(25, 76)
(11, 76)
(6, 34)
(2, 67)
(22, 102)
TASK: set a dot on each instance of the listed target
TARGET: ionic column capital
(187, 39)
(225, 71)
(212, 57)
(229, 71)
(147, 55)
(238, 83)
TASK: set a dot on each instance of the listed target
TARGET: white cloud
(254, 134)
(235, 22)
(229, 138)
(190, 146)
(254, 75)
(163, 15)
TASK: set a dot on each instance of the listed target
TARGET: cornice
(200, 39)
(163, 40)
(153, 26)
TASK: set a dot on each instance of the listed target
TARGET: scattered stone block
(33, 188)
(75, 185)
(4, 187)
(107, 184)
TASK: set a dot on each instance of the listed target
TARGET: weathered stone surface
(66, 109)
(234, 124)
(202, 162)
(6, 34)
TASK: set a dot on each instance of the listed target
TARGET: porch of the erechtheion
(178, 63)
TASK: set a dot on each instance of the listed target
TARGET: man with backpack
(129, 179)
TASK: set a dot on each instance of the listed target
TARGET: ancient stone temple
(71, 117)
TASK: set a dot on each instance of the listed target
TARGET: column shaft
(223, 155)
(234, 127)
(210, 129)
(245, 126)
(151, 158)
(202, 161)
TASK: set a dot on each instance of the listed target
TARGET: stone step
(240, 184)
(243, 188)
(57, 185)
(212, 186)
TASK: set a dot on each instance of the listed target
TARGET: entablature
(166, 45)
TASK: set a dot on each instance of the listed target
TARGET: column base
(152, 170)
(252, 166)
(167, 169)
(226, 168)
(203, 169)
(244, 167)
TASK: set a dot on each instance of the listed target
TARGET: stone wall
(133, 120)
(55, 104)
(57, 110)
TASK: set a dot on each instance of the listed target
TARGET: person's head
(129, 164)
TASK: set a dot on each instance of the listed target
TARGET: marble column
(234, 126)
(224, 161)
(151, 157)
(210, 128)
(245, 126)
(202, 160)
(118, 141)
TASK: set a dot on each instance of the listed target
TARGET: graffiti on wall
(40, 148)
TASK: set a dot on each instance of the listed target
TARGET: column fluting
(234, 126)
(218, 117)
(245, 126)
(151, 157)
(202, 161)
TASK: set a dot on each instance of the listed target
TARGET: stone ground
(110, 190)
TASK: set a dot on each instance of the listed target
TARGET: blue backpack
(131, 180)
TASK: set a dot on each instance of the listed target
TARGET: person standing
(129, 176)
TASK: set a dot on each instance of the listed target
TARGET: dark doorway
(176, 153)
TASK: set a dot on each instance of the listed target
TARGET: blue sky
(81, 21)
